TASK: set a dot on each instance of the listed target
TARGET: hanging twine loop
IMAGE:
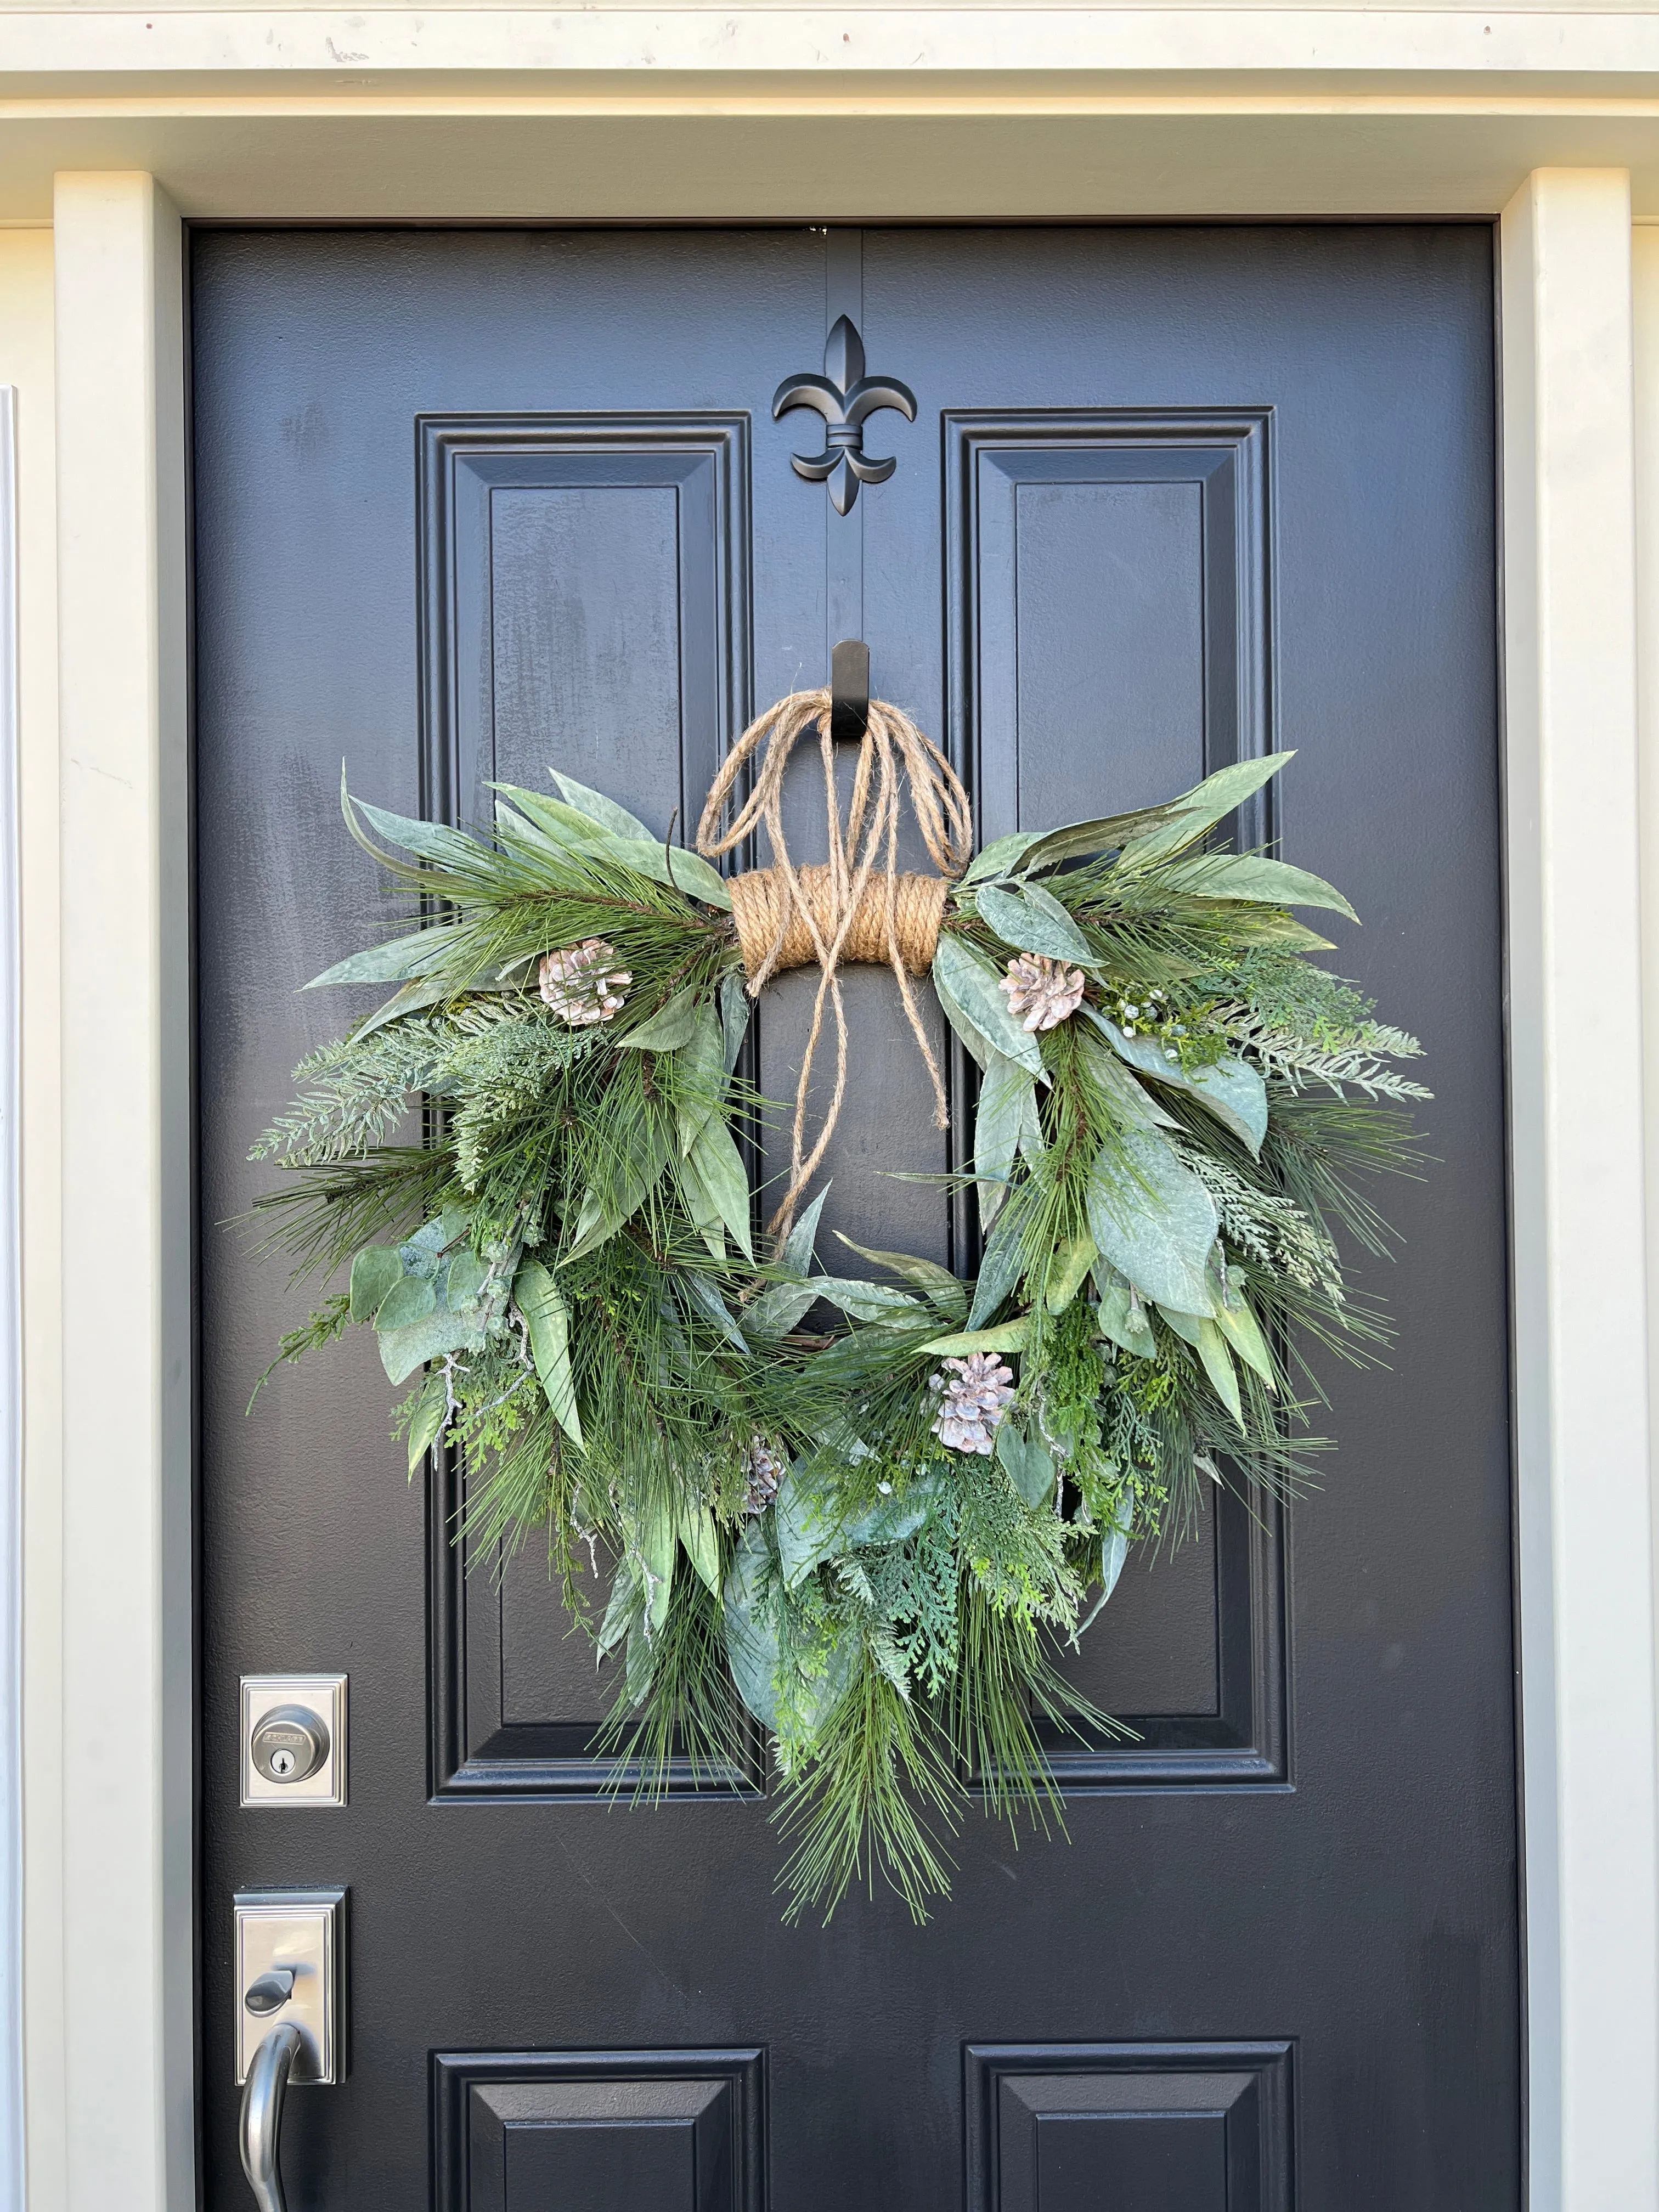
(856, 906)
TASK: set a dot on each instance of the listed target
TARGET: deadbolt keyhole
(289, 1743)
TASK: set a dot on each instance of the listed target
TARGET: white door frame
(111, 2088)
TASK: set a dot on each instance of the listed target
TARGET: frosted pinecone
(765, 1474)
(1042, 993)
(975, 1391)
(583, 984)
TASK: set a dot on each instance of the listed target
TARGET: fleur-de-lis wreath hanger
(846, 398)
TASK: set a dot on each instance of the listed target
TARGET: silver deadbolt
(290, 1743)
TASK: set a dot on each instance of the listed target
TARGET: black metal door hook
(849, 688)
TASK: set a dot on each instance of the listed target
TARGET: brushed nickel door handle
(262, 2114)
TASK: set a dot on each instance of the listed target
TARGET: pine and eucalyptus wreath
(872, 1537)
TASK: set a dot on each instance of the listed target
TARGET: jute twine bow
(850, 907)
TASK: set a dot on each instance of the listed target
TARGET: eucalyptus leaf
(669, 1028)
(1114, 1551)
(1002, 855)
(974, 985)
(796, 1256)
(1006, 1092)
(430, 840)
(594, 803)
(736, 1009)
(464, 1281)
(699, 1541)
(427, 1422)
(624, 1608)
(1218, 1366)
(1254, 880)
(1033, 921)
(602, 1216)
(1132, 1105)
(547, 1320)
(1007, 1336)
(719, 1165)
(1233, 1091)
(1244, 1334)
(433, 1337)
(998, 1270)
(654, 1541)
(1152, 1217)
(808, 1524)
(377, 1269)
(394, 962)
(713, 1307)
(1029, 1465)
(752, 1642)
(702, 1063)
(870, 1302)
(685, 872)
(891, 1520)
(1070, 1271)
(776, 1310)
(1120, 1315)
(699, 1205)
(943, 1289)
(1187, 818)
(409, 1299)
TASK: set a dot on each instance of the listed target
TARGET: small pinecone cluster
(765, 1474)
(583, 984)
(974, 1393)
(1042, 993)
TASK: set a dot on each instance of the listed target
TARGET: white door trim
(1588, 1659)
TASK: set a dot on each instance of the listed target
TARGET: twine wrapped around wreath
(856, 906)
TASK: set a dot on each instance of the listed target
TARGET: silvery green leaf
(669, 1028)
(973, 1041)
(598, 808)
(409, 1299)
(1034, 921)
(434, 1237)
(1153, 1218)
(937, 1284)
(1233, 1091)
(1133, 1106)
(1188, 1326)
(719, 1165)
(891, 1520)
(751, 1643)
(602, 1215)
(1255, 880)
(1114, 1551)
(713, 1307)
(796, 1255)
(1007, 1336)
(403, 1350)
(974, 986)
(427, 1423)
(687, 872)
(1187, 818)
(1069, 1270)
(701, 1543)
(1007, 1094)
(870, 1302)
(655, 1542)
(998, 1270)
(1029, 1464)
(624, 1608)
(639, 1665)
(375, 1270)
(776, 1310)
(1003, 854)
(808, 1525)
(1242, 1332)
(705, 1214)
(547, 1319)
(464, 1282)
(1218, 1366)
(430, 840)
(1120, 1315)
(411, 998)
(394, 962)
(702, 1060)
(736, 1008)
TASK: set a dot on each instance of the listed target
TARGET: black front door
(470, 504)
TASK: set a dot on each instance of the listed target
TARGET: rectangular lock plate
(304, 1930)
(325, 1695)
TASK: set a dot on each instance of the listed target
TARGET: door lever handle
(262, 2114)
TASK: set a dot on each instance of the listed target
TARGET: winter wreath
(873, 1538)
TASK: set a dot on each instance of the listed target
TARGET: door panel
(468, 504)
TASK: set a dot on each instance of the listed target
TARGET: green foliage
(566, 1268)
